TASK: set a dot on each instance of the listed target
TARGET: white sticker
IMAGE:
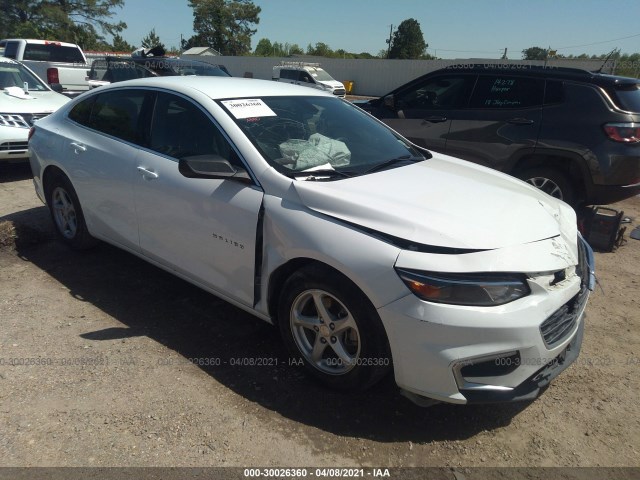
(248, 107)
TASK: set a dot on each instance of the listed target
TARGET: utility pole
(504, 55)
(389, 40)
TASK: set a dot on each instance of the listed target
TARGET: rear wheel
(550, 181)
(67, 215)
(329, 323)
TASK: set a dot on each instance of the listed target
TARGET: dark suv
(572, 133)
(117, 69)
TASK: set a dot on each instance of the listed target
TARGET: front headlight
(477, 289)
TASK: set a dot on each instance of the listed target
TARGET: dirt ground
(108, 338)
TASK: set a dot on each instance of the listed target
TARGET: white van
(309, 75)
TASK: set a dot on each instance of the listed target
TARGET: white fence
(375, 77)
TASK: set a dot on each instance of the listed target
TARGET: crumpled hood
(41, 102)
(444, 202)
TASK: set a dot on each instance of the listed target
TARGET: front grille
(15, 147)
(11, 120)
(556, 328)
(22, 120)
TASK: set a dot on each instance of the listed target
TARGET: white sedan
(369, 254)
(24, 98)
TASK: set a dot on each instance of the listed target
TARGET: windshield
(306, 134)
(320, 75)
(15, 75)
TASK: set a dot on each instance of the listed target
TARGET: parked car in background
(117, 69)
(368, 253)
(572, 133)
(307, 75)
(61, 65)
(24, 98)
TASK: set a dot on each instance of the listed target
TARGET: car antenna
(615, 50)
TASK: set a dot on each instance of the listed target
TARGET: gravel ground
(109, 381)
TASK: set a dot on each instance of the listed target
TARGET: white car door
(204, 229)
(100, 151)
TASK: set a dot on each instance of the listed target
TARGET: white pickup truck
(62, 65)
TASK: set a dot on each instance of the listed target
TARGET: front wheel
(328, 322)
(67, 215)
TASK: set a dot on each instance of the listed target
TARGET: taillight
(623, 132)
(52, 76)
(32, 130)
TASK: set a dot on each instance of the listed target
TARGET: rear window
(51, 52)
(628, 97)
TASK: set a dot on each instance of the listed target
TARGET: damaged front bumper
(461, 354)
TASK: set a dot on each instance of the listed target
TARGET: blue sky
(453, 29)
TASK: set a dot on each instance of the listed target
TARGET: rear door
(501, 122)
(423, 110)
(102, 140)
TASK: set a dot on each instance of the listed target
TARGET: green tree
(263, 48)
(534, 53)
(78, 21)
(408, 41)
(295, 49)
(225, 24)
(320, 50)
(152, 40)
(119, 44)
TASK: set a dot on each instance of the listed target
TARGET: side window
(305, 77)
(288, 74)
(181, 129)
(117, 112)
(81, 113)
(437, 93)
(554, 92)
(11, 50)
(504, 92)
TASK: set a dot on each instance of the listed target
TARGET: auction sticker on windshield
(248, 107)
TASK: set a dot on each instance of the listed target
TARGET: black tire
(552, 182)
(348, 324)
(66, 213)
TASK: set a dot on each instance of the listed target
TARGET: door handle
(147, 174)
(520, 121)
(435, 119)
(78, 147)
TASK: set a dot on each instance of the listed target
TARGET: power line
(599, 43)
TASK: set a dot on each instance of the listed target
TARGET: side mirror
(212, 166)
(390, 102)
(56, 87)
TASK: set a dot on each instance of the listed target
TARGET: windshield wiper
(393, 161)
(313, 175)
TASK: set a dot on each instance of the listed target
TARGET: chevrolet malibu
(369, 254)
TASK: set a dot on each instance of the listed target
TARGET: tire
(66, 213)
(326, 320)
(551, 182)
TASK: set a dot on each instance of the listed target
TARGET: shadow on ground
(12, 172)
(196, 324)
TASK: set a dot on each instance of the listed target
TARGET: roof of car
(158, 60)
(563, 73)
(222, 87)
(41, 42)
